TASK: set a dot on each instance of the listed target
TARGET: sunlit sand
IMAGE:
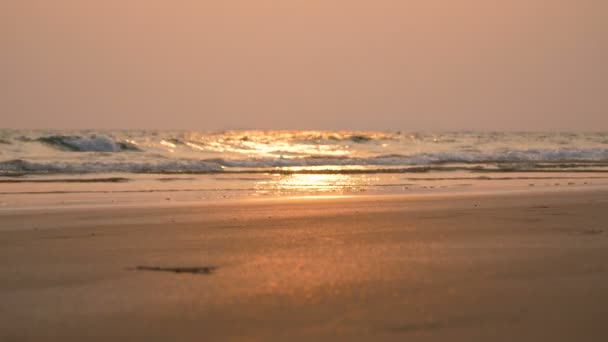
(422, 268)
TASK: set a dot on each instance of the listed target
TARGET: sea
(212, 165)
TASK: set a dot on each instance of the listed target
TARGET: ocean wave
(67, 180)
(299, 151)
(422, 159)
(360, 138)
(26, 167)
(334, 137)
(94, 143)
(19, 168)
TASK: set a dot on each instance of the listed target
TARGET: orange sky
(322, 64)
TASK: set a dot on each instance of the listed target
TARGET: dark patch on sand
(175, 179)
(62, 237)
(540, 207)
(481, 319)
(560, 214)
(592, 231)
(192, 270)
(232, 226)
(476, 320)
(443, 216)
(415, 327)
(247, 179)
(525, 219)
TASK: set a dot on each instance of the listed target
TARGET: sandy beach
(476, 267)
(304, 171)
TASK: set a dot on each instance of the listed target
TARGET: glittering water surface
(39, 152)
(259, 163)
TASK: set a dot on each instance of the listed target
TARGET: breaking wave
(425, 159)
(498, 161)
(28, 167)
(94, 143)
(69, 152)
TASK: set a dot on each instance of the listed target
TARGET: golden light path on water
(294, 145)
(309, 184)
(281, 144)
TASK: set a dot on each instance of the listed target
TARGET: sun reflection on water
(310, 184)
(279, 144)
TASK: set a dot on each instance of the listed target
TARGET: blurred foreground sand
(511, 267)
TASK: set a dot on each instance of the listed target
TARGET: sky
(304, 64)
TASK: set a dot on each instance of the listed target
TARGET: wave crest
(94, 143)
(426, 159)
(19, 166)
(497, 160)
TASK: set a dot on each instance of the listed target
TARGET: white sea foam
(94, 143)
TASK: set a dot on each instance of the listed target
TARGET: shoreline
(210, 191)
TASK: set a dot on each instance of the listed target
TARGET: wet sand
(511, 267)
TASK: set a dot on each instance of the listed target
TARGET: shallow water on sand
(129, 189)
